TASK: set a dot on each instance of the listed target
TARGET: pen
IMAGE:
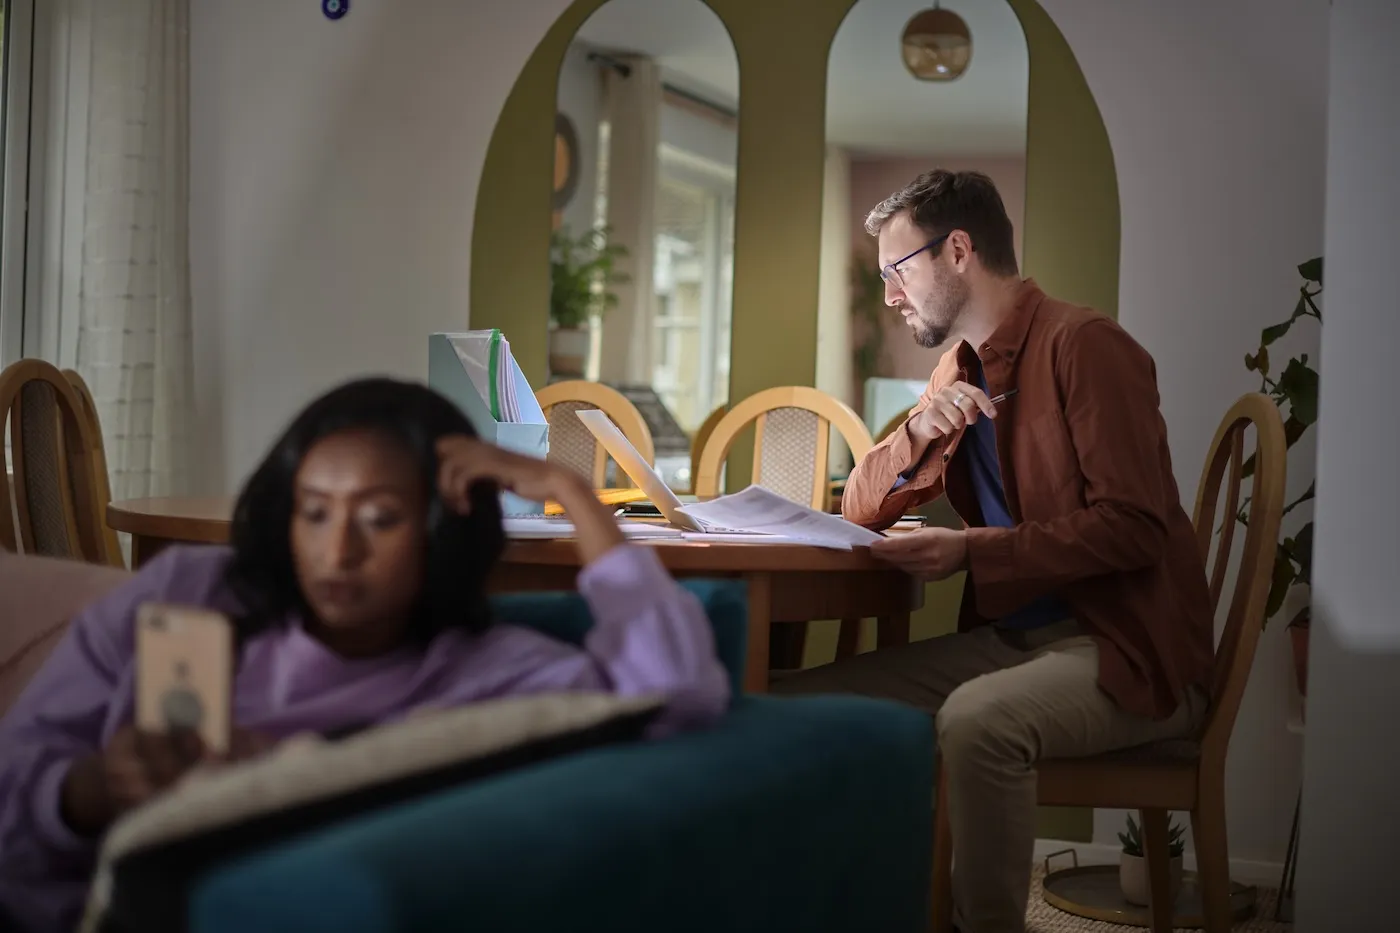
(1004, 396)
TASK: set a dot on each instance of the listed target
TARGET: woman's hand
(466, 461)
(136, 766)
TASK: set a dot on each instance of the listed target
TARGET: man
(1086, 623)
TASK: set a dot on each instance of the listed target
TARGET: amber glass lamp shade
(936, 45)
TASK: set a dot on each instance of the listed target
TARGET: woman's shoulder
(186, 574)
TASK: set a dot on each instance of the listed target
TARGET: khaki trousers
(1002, 700)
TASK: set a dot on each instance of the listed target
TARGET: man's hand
(930, 554)
(951, 407)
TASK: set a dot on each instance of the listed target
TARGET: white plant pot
(1132, 877)
(568, 351)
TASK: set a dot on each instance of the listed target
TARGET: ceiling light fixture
(936, 45)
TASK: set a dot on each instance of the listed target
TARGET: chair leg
(1158, 857)
(1212, 858)
(848, 642)
(787, 645)
(941, 888)
(893, 630)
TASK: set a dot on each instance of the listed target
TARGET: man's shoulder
(1068, 327)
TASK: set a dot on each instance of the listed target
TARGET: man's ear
(961, 246)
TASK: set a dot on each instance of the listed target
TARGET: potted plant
(867, 312)
(582, 272)
(1132, 868)
(1294, 390)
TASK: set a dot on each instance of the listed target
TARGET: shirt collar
(1008, 339)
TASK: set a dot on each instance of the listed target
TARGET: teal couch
(805, 815)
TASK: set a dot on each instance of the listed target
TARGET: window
(693, 281)
(16, 58)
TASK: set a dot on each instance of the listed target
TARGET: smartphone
(184, 672)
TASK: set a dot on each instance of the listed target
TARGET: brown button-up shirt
(1098, 521)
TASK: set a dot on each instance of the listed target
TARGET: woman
(356, 584)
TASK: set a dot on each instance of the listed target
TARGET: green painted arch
(1071, 226)
(1070, 231)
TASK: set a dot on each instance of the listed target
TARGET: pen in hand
(1004, 396)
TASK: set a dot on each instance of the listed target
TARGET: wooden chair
(792, 443)
(701, 438)
(102, 483)
(56, 513)
(573, 445)
(1186, 774)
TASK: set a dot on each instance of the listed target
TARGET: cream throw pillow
(446, 746)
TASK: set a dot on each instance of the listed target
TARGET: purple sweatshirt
(650, 636)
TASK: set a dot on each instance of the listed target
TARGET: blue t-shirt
(980, 445)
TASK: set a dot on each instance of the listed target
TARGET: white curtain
(633, 107)
(834, 351)
(133, 316)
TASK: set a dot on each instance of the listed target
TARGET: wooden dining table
(785, 582)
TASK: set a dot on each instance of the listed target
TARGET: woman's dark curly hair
(461, 550)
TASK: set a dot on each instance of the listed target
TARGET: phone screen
(184, 672)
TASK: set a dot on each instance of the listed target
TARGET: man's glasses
(891, 273)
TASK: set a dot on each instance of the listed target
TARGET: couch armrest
(565, 616)
(809, 814)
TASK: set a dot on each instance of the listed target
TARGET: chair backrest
(572, 445)
(701, 438)
(102, 483)
(51, 448)
(792, 442)
(1227, 466)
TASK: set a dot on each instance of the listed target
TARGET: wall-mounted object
(936, 45)
(335, 9)
(566, 156)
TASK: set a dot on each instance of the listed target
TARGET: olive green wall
(1071, 225)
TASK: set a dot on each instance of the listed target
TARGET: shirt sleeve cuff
(48, 811)
(989, 565)
(624, 577)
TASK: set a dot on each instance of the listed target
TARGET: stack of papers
(764, 516)
(486, 356)
(537, 527)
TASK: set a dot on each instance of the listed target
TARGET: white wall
(580, 99)
(334, 178)
(1351, 807)
(1220, 173)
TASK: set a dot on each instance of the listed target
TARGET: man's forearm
(1011, 567)
(887, 480)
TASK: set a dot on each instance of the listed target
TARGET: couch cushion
(40, 595)
(154, 854)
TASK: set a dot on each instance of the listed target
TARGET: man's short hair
(940, 202)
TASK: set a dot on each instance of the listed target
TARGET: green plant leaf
(1298, 383)
(1312, 270)
(1302, 553)
(1283, 577)
(1269, 334)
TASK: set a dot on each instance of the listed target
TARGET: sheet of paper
(540, 527)
(739, 537)
(757, 510)
(505, 382)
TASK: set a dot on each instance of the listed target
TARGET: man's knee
(975, 724)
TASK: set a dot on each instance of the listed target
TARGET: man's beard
(940, 310)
